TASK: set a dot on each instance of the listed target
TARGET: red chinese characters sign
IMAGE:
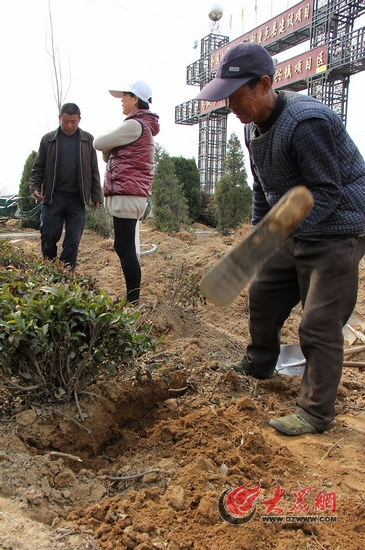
(290, 71)
(301, 67)
(283, 25)
(207, 106)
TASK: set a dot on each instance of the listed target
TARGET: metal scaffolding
(212, 148)
(332, 25)
(212, 125)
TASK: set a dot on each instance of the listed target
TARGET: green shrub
(57, 331)
(99, 220)
(233, 195)
(170, 208)
(187, 173)
(28, 205)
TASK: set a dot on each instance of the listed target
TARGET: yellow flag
(243, 14)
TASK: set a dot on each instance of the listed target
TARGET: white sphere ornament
(216, 12)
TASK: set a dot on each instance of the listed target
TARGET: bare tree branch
(53, 52)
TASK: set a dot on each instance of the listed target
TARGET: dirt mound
(148, 465)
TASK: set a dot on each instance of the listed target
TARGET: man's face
(249, 105)
(69, 123)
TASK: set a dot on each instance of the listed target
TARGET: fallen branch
(160, 354)
(73, 420)
(178, 389)
(18, 386)
(355, 364)
(65, 455)
(78, 406)
(242, 437)
(133, 476)
(315, 538)
(356, 349)
(330, 450)
(70, 532)
(96, 395)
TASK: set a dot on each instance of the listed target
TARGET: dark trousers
(68, 210)
(125, 247)
(323, 275)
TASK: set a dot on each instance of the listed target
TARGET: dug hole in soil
(149, 461)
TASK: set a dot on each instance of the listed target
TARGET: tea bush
(57, 331)
(183, 287)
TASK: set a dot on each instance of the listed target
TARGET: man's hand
(95, 205)
(37, 196)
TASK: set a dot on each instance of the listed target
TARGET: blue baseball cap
(240, 64)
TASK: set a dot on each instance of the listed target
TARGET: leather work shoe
(293, 424)
(244, 367)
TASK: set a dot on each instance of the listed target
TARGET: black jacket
(44, 172)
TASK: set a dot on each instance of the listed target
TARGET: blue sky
(105, 44)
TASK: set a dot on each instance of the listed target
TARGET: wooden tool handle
(230, 275)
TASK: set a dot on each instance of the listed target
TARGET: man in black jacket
(64, 177)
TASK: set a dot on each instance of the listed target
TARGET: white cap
(140, 89)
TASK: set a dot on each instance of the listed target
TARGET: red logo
(238, 505)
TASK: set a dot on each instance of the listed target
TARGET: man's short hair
(70, 109)
(254, 82)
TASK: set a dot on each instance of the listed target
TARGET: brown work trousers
(323, 276)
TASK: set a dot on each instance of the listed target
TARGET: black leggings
(125, 247)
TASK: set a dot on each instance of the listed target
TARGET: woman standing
(129, 153)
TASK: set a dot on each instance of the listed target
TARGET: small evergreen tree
(233, 194)
(27, 202)
(208, 210)
(188, 174)
(169, 204)
(160, 152)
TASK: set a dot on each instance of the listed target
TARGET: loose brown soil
(179, 441)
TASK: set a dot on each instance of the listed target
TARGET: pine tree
(188, 174)
(208, 210)
(169, 204)
(160, 152)
(233, 194)
(27, 202)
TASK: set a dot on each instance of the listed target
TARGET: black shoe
(244, 367)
